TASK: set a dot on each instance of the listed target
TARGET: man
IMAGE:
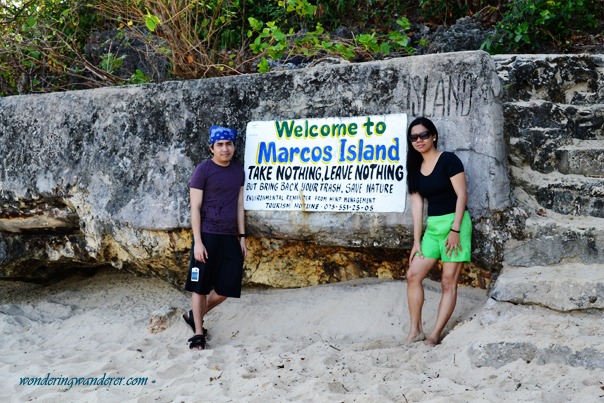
(218, 224)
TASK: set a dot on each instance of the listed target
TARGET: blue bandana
(218, 133)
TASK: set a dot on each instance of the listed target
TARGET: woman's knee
(419, 270)
(413, 276)
(448, 285)
(449, 281)
(416, 274)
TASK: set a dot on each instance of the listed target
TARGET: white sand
(340, 342)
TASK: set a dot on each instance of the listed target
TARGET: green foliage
(264, 10)
(447, 12)
(301, 7)
(42, 44)
(151, 22)
(435, 10)
(269, 39)
(527, 23)
(199, 38)
(263, 65)
(139, 77)
(362, 15)
(49, 45)
(110, 62)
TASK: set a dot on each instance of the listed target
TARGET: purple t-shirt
(221, 186)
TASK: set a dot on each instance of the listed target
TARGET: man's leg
(213, 301)
(222, 278)
(448, 300)
(198, 305)
(228, 273)
(204, 304)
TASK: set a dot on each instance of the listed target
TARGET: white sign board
(351, 164)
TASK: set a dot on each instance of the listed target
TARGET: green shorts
(437, 230)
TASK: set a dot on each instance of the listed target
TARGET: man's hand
(243, 246)
(199, 252)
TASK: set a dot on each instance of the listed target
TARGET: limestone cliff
(100, 177)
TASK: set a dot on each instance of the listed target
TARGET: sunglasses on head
(423, 135)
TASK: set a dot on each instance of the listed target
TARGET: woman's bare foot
(415, 337)
(429, 341)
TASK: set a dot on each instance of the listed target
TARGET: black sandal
(191, 322)
(197, 341)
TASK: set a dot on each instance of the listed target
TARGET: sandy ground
(340, 342)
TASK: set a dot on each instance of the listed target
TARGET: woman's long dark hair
(414, 157)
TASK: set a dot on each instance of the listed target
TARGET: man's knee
(217, 299)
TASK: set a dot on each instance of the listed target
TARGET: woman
(439, 178)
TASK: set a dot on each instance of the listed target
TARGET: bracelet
(242, 236)
(455, 231)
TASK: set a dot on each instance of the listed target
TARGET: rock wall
(100, 177)
(554, 109)
(552, 280)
